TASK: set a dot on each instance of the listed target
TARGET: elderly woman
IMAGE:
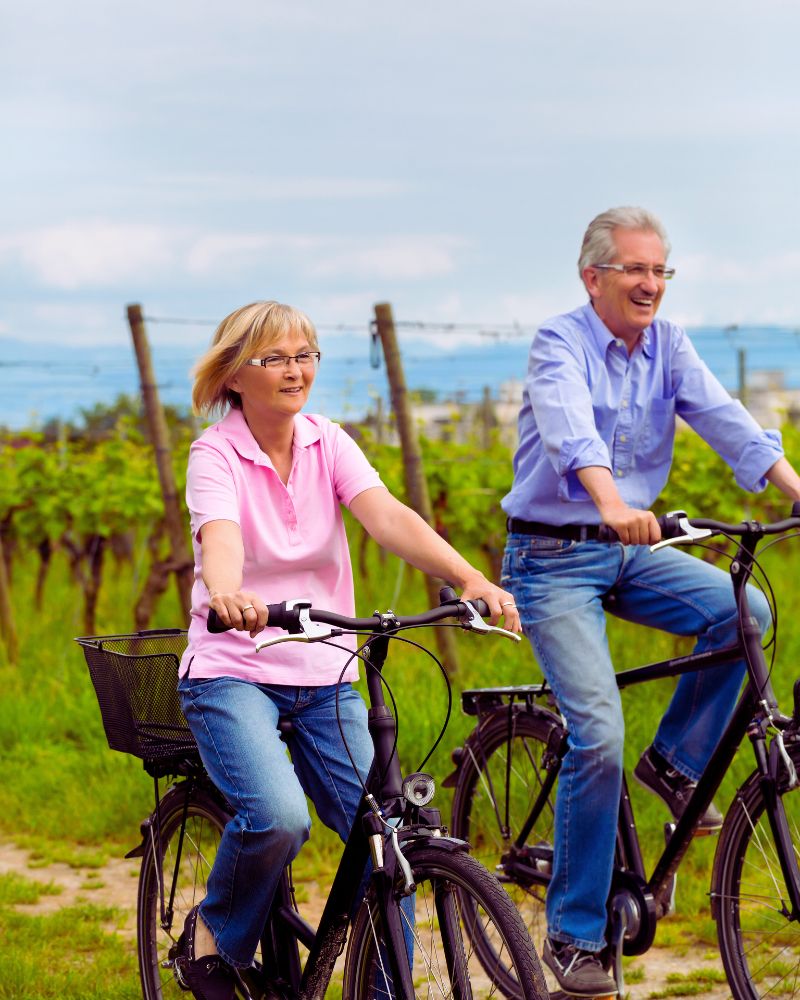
(265, 487)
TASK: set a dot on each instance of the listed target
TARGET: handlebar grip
(605, 533)
(669, 524)
(447, 595)
(215, 623)
(481, 607)
(282, 617)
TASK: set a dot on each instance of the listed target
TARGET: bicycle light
(418, 789)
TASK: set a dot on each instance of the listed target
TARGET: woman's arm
(402, 531)
(223, 560)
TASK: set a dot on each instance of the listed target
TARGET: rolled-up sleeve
(558, 386)
(722, 421)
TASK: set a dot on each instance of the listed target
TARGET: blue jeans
(558, 586)
(235, 723)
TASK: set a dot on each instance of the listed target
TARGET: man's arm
(782, 475)
(634, 527)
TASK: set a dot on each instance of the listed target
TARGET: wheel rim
(437, 902)
(199, 849)
(760, 943)
(489, 819)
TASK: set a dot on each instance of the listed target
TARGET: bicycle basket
(135, 678)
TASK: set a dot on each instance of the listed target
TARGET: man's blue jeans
(558, 586)
(235, 723)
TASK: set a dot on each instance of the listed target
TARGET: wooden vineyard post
(413, 471)
(180, 558)
(8, 631)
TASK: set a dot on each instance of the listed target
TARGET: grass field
(65, 796)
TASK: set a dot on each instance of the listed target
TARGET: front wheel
(505, 765)
(185, 860)
(759, 939)
(439, 930)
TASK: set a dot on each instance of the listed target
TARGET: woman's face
(279, 389)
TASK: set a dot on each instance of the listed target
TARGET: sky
(442, 156)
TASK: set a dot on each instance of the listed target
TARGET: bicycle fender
(138, 851)
(448, 845)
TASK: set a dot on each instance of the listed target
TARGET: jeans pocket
(543, 549)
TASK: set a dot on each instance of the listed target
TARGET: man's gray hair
(598, 245)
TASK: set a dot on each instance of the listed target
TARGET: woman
(264, 489)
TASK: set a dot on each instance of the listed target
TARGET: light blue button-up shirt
(587, 402)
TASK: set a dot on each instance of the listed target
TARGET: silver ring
(247, 607)
(508, 604)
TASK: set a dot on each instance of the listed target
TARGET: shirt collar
(603, 337)
(234, 428)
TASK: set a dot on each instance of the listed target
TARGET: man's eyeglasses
(638, 270)
(306, 359)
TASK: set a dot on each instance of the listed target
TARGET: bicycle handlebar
(305, 623)
(678, 528)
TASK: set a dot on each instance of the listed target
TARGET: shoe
(206, 978)
(579, 973)
(655, 773)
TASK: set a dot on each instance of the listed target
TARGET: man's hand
(634, 527)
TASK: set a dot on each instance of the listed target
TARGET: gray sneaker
(657, 775)
(579, 973)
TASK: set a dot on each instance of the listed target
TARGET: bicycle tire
(489, 811)
(444, 964)
(155, 945)
(758, 941)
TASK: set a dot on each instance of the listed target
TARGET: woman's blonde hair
(243, 334)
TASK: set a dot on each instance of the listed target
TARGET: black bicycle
(410, 929)
(505, 783)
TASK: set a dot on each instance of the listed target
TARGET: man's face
(628, 303)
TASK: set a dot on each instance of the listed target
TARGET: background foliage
(65, 796)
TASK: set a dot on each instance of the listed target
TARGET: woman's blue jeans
(235, 723)
(559, 586)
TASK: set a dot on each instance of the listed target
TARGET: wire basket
(135, 679)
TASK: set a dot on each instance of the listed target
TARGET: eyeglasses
(638, 270)
(306, 359)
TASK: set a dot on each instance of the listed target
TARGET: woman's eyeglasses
(306, 359)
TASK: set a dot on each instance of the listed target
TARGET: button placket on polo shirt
(290, 511)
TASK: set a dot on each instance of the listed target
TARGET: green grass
(70, 953)
(17, 889)
(65, 796)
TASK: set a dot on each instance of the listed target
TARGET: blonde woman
(265, 488)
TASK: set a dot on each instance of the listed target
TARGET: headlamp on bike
(418, 789)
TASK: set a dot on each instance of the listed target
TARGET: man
(596, 434)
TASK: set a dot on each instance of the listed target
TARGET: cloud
(403, 257)
(252, 188)
(104, 254)
(91, 253)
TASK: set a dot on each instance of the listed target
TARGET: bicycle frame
(369, 840)
(755, 714)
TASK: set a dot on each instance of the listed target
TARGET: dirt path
(115, 885)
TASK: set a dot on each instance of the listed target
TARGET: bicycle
(407, 934)
(505, 782)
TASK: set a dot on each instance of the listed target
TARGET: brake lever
(474, 623)
(311, 631)
(690, 533)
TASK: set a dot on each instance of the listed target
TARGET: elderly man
(596, 434)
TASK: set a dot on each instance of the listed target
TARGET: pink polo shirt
(294, 542)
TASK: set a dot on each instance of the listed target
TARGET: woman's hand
(242, 610)
(501, 603)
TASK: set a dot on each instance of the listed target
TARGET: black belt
(571, 532)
